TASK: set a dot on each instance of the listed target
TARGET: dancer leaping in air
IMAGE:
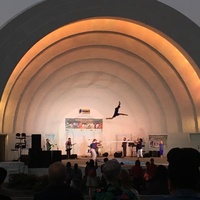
(116, 113)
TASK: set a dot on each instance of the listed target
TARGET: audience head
(137, 163)
(68, 165)
(92, 162)
(57, 173)
(152, 160)
(76, 165)
(183, 168)
(105, 159)
(111, 170)
(147, 163)
(3, 174)
(161, 173)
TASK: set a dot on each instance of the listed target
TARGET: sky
(11, 8)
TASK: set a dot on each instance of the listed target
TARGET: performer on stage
(116, 113)
(161, 148)
(124, 147)
(93, 149)
(139, 148)
(48, 144)
(68, 146)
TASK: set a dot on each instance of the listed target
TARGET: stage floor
(127, 161)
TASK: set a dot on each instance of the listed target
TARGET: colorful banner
(83, 123)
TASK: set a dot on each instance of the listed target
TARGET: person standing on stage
(93, 149)
(124, 147)
(68, 146)
(139, 148)
(161, 148)
(48, 145)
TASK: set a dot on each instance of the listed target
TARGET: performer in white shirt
(68, 146)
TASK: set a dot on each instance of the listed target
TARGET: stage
(14, 167)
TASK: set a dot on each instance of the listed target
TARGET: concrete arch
(92, 54)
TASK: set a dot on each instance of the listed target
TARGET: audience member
(103, 180)
(146, 174)
(113, 190)
(69, 173)
(136, 175)
(57, 189)
(125, 183)
(183, 174)
(159, 184)
(91, 181)
(151, 169)
(77, 177)
(3, 174)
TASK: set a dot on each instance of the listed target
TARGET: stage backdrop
(82, 131)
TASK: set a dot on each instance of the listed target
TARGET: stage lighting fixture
(23, 135)
(17, 135)
(17, 146)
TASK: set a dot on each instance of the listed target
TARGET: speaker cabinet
(35, 158)
(118, 154)
(46, 158)
(154, 153)
(50, 157)
(105, 154)
(42, 159)
(55, 156)
(147, 155)
(63, 157)
(36, 141)
(73, 156)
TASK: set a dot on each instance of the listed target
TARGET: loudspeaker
(105, 154)
(63, 157)
(154, 153)
(118, 154)
(46, 158)
(35, 158)
(55, 156)
(36, 141)
(73, 156)
(146, 155)
(50, 157)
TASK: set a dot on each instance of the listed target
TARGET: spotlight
(23, 135)
(17, 135)
(17, 146)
